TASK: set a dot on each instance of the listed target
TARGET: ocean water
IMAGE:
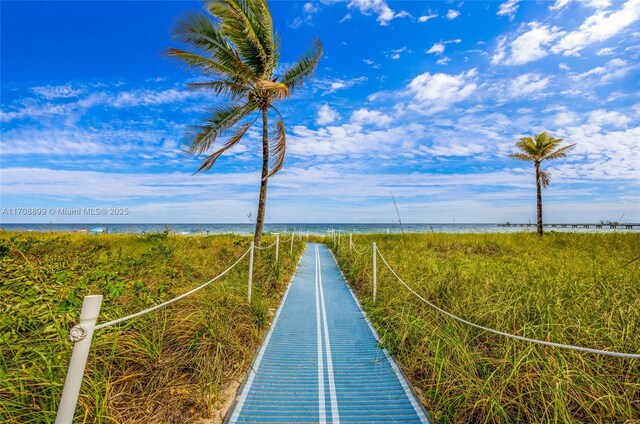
(321, 229)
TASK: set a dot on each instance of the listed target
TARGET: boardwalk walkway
(320, 362)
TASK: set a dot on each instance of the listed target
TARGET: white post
(277, 247)
(375, 271)
(350, 241)
(250, 271)
(81, 334)
(338, 239)
(292, 237)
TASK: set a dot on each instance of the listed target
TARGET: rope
(513, 336)
(153, 308)
(360, 253)
(266, 247)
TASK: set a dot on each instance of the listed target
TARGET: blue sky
(422, 99)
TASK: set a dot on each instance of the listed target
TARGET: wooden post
(253, 246)
(81, 334)
(375, 271)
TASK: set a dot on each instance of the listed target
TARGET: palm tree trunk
(539, 199)
(262, 200)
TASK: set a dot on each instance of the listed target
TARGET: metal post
(277, 247)
(375, 271)
(350, 241)
(81, 334)
(250, 271)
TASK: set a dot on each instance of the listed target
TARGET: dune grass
(580, 289)
(173, 365)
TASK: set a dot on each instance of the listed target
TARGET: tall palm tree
(240, 51)
(541, 147)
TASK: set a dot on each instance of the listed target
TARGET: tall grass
(174, 365)
(581, 289)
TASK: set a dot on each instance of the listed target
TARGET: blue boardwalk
(320, 362)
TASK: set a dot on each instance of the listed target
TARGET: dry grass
(172, 365)
(581, 289)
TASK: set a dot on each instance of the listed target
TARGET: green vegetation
(537, 149)
(580, 289)
(241, 50)
(177, 364)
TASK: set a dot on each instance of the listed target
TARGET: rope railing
(502, 333)
(160, 305)
(82, 333)
(366, 249)
(267, 247)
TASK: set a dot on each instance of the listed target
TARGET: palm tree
(240, 51)
(541, 147)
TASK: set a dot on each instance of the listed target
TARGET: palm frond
(198, 30)
(545, 178)
(527, 145)
(211, 159)
(294, 76)
(275, 89)
(560, 153)
(278, 148)
(233, 90)
(521, 156)
(221, 119)
(204, 64)
(238, 23)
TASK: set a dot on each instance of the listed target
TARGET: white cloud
(51, 92)
(395, 53)
(564, 118)
(526, 84)
(563, 66)
(443, 60)
(310, 8)
(607, 51)
(370, 117)
(559, 4)
(123, 99)
(370, 62)
(596, 4)
(326, 115)
(345, 18)
(437, 48)
(449, 149)
(76, 142)
(526, 47)
(379, 7)
(601, 26)
(615, 68)
(452, 14)
(425, 18)
(150, 97)
(329, 86)
(436, 92)
(355, 140)
(508, 8)
(613, 118)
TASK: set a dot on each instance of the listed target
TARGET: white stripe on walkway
(321, 401)
(335, 416)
